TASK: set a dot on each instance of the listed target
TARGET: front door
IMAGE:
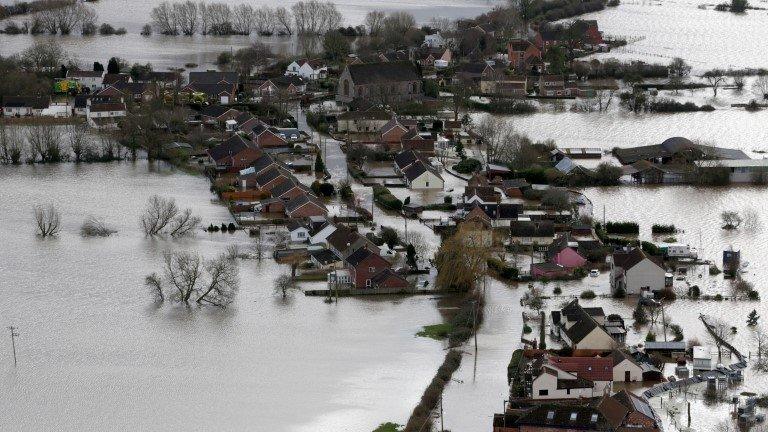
(626, 376)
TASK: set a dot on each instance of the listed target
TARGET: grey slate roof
(378, 73)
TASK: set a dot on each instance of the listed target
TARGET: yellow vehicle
(67, 86)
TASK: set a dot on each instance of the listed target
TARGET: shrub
(557, 291)
(650, 248)
(106, 29)
(620, 293)
(527, 329)
(650, 337)
(146, 30)
(448, 199)
(384, 197)
(753, 295)
(232, 227)
(663, 229)
(580, 272)
(327, 189)
(622, 228)
(714, 271)
(677, 332)
(694, 291)
(588, 295)
(718, 297)
(468, 166)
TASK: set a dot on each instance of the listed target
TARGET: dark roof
(212, 89)
(519, 44)
(294, 224)
(302, 200)
(107, 106)
(286, 186)
(358, 256)
(271, 174)
(584, 321)
(110, 79)
(342, 238)
(385, 274)
(214, 110)
(371, 114)
(72, 73)
(532, 228)
(324, 256)
(472, 68)
(377, 73)
(627, 260)
(515, 183)
(676, 146)
(287, 80)
(413, 171)
(406, 157)
(213, 77)
(263, 162)
(26, 101)
(131, 88)
(560, 417)
(635, 403)
(230, 147)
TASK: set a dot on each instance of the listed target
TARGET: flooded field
(102, 355)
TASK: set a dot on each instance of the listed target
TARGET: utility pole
(474, 322)
(603, 216)
(442, 426)
(405, 217)
(14, 334)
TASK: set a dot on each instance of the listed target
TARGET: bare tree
(183, 223)
(44, 143)
(374, 21)
(43, 56)
(760, 337)
(721, 332)
(220, 19)
(158, 214)
(243, 18)
(187, 277)
(760, 87)
(731, 219)
(715, 78)
(164, 19)
(284, 284)
(265, 18)
(205, 19)
(47, 219)
(460, 261)
(10, 144)
(78, 140)
(94, 227)
(312, 17)
(284, 19)
(186, 16)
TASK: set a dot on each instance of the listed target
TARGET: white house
(298, 231)
(23, 106)
(104, 109)
(434, 41)
(552, 383)
(420, 175)
(582, 328)
(90, 79)
(740, 170)
(308, 69)
(625, 368)
(321, 236)
(634, 272)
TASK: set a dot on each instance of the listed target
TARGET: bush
(677, 332)
(448, 199)
(327, 189)
(753, 295)
(663, 229)
(650, 337)
(718, 297)
(106, 29)
(650, 248)
(502, 270)
(588, 295)
(384, 198)
(12, 28)
(714, 271)
(557, 291)
(468, 166)
(620, 293)
(527, 329)
(694, 291)
(622, 228)
(146, 30)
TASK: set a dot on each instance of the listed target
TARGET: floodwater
(167, 51)
(96, 353)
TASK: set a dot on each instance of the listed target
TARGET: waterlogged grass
(436, 331)
(389, 427)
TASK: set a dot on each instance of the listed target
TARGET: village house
(321, 233)
(393, 131)
(563, 252)
(625, 411)
(369, 121)
(218, 114)
(515, 188)
(582, 328)
(434, 40)
(417, 171)
(258, 166)
(387, 83)
(111, 79)
(625, 367)
(214, 77)
(289, 189)
(645, 172)
(138, 92)
(266, 136)
(634, 272)
(552, 418)
(298, 231)
(438, 58)
(343, 242)
(271, 178)
(388, 279)
(477, 229)
(305, 205)
(95, 109)
(287, 85)
(236, 153)
(308, 69)
(363, 265)
(570, 378)
(24, 106)
(413, 140)
(530, 233)
(92, 80)
(326, 260)
(597, 370)
(220, 93)
(739, 170)
(554, 86)
(519, 54)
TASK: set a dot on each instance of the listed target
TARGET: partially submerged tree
(162, 213)
(47, 220)
(187, 277)
(760, 87)
(715, 78)
(284, 284)
(460, 261)
(94, 227)
(731, 219)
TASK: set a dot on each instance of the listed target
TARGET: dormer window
(573, 416)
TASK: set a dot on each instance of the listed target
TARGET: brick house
(364, 265)
(237, 152)
(388, 279)
(520, 52)
(289, 189)
(266, 137)
(394, 130)
(562, 253)
(270, 178)
(304, 206)
(394, 82)
(626, 411)
(367, 121)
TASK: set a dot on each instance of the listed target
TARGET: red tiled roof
(591, 368)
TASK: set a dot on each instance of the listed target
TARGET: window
(573, 416)
(302, 234)
(550, 414)
(371, 269)
(544, 393)
(368, 282)
(427, 184)
(346, 87)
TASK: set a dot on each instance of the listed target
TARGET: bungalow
(529, 233)
(298, 231)
(394, 130)
(598, 370)
(343, 242)
(563, 252)
(235, 153)
(388, 279)
(139, 92)
(551, 418)
(480, 195)
(24, 106)
(304, 206)
(88, 79)
(218, 114)
(739, 170)
(386, 83)
(289, 189)
(308, 69)
(164, 80)
(368, 121)
(645, 172)
(95, 109)
(515, 188)
(222, 93)
(364, 265)
(546, 270)
(267, 137)
(271, 178)
(421, 175)
(412, 140)
(554, 86)
(582, 328)
(214, 77)
(111, 79)
(634, 272)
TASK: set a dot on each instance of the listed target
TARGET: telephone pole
(14, 334)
